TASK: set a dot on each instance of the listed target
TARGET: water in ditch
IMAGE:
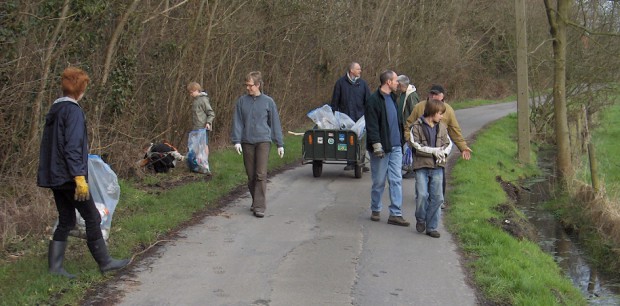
(564, 248)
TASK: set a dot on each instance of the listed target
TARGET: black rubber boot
(100, 253)
(55, 257)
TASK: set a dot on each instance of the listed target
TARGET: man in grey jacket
(256, 124)
(202, 113)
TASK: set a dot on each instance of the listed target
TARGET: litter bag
(324, 117)
(359, 127)
(197, 158)
(105, 191)
(344, 121)
(407, 158)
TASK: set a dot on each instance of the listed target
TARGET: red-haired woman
(63, 167)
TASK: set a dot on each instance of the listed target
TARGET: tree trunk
(36, 108)
(557, 22)
(112, 45)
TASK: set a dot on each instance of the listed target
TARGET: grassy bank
(508, 270)
(596, 219)
(143, 216)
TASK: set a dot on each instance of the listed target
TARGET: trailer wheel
(317, 168)
(358, 170)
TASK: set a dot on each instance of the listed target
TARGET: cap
(436, 89)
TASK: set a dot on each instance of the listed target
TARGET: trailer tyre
(358, 170)
(317, 168)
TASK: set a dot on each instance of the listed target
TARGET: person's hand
(81, 189)
(466, 154)
(377, 150)
(238, 148)
(208, 126)
(281, 152)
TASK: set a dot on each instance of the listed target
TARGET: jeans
(429, 196)
(66, 206)
(387, 167)
(255, 159)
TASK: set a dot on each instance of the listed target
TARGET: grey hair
(403, 79)
(352, 64)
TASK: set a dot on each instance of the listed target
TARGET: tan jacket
(449, 119)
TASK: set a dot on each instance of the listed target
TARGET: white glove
(281, 152)
(238, 148)
(440, 156)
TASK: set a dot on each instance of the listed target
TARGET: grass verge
(142, 218)
(508, 271)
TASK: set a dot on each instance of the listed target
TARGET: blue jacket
(256, 120)
(64, 146)
(377, 125)
(350, 97)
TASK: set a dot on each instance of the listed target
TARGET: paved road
(316, 246)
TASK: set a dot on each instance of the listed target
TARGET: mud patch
(511, 221)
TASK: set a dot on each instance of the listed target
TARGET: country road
(315, 246)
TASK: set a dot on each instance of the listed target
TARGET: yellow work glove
(81, 189)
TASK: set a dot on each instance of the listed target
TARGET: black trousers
(66, 206)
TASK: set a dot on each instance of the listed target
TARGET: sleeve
(209, 111)
(446, 142)
(336, 97)
(237, 124)
(420, 149)
(74, 131)
(454, 130)
(276, 127)
(418, 110)
(372, 124)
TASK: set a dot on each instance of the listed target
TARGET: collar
(63, 99)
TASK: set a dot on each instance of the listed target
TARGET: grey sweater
(256, 120)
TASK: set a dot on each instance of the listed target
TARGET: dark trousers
(66, 206)
(255, 160)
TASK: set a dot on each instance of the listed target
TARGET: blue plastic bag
(197, 158)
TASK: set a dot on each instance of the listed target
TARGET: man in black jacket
(383, 133)
(349, 96)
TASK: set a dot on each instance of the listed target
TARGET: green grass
(141, 219)
(478, 102)
(509, 271)
(605, 140)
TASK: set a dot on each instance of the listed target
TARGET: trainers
(259, 214)
(365, 169)
(252, 208)
(420, 227)
(375, 216)
(434, 234)
(398, 220)
(349, 167)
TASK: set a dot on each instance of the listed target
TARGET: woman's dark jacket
(64, 146)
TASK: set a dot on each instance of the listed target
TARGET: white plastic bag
(359, 127)
(197, 158)
(105, 192)
(324, 117)
(344, 121)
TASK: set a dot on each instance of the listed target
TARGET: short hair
(352, 64)
(433, 107)
(385, 76)
(193, 86)
(73, 82)
(403, 79)
(256, 77)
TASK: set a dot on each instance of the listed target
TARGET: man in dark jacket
(383, 133)
(349, 96)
